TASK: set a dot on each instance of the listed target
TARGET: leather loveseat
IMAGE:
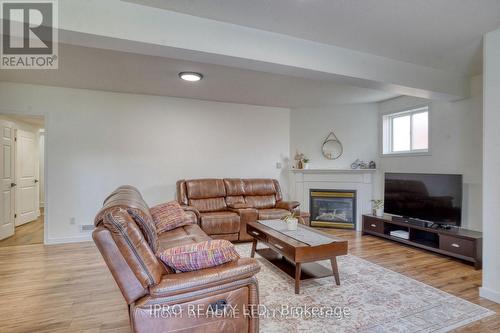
(224, 206)
(160, 300)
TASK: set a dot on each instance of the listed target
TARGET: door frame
(30, 112)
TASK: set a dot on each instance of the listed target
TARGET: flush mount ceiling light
(190, 76)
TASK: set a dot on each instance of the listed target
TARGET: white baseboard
(492, 295)
(66, 240)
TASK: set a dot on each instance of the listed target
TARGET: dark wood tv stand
(455, 242)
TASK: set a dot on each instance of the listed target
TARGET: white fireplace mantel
(359, 180)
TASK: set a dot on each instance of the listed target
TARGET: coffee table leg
(254, 247)
(335, 270)
(297, 278)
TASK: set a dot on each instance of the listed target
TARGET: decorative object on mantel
(301, 162)
(298, 160)
(332, 148)
(359, 164)
(305, 163)
(378, 207)
(291, 221)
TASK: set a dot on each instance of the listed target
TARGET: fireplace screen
(333, 208)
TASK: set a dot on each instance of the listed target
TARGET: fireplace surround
(359, 180)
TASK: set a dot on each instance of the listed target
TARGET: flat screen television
(430, 197)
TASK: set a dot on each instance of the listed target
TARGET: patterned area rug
(370, 299)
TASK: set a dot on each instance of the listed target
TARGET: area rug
(369, 299)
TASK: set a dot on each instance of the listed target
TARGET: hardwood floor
(68, 288)
(26, 234)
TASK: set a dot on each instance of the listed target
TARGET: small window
(406, 132)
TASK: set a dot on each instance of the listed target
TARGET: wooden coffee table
(295, 253)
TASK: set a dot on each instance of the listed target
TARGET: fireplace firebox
(333, 208)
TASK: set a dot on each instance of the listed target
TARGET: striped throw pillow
(193, 257)
(168, 216)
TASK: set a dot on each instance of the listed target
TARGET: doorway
(22, 167)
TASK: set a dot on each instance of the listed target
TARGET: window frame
(387, 131)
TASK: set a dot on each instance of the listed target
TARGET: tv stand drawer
(456, 245)
(373, 224)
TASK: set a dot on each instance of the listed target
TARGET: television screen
(429, 197)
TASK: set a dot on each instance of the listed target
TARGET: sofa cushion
(208, 205)
(259, 187)
(261, 201)
(220, 222)
(272, 214)
(188, 234)
(234, 199)
(234, 186)
(193, 257)
(205, 188)
(168, 216)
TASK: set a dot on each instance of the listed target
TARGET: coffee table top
(303, 236)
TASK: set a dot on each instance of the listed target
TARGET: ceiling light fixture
(190, 76)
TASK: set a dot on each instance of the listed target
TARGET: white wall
(96, 141)
(354, 125)
(491, 167)
(456, 141)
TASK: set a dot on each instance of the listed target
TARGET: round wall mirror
(332, 147)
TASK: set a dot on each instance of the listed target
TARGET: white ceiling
(444, 34)
(90, 68)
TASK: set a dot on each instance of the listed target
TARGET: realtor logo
(29, 34)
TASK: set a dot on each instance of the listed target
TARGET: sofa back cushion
(129, 198)
(133, 246)
(261, 201)
(260, 193)
(208, 205)
(255, 187)
(206, 195)
(209, 195)
(205, 188)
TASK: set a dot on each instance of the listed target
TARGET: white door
(6, 179)
(27, 195)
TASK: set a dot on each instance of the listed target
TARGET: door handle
(13, 184)
(36, 181)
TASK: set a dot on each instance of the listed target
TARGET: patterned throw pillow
(197, 256)
(168, 216)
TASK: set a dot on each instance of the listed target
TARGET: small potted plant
(291, 221)
(378, 207)
(305, 163)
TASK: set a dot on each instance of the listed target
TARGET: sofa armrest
(246, 215)
(180, 283)
(288, 205)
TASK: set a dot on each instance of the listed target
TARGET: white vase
(379, 212)
(291, 224)
(305, 165)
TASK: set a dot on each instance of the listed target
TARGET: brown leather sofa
(224, 206)
(159, 299)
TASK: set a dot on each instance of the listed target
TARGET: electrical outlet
(86, 227)
(278, 165)
(72, 220)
